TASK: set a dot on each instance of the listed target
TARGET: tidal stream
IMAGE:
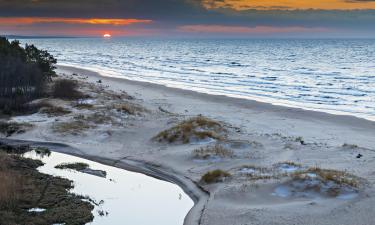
(122, 197)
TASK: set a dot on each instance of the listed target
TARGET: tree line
(24, 72)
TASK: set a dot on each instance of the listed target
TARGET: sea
(330, 75)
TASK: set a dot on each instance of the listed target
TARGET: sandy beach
(261, 137)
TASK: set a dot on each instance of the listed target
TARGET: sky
(189, 18)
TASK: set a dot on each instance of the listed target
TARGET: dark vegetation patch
(66, 89)
(22, 188)
(73, 166)
(197, 128)
(82, 167)
(10, 128)
(16, 149)
(42, 151)
(215, 176)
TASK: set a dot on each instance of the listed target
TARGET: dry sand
(267, 134)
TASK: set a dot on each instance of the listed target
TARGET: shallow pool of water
(128, 197)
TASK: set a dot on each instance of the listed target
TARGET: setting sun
(107, 35)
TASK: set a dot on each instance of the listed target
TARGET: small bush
(42, 151)
(66, 89)
(198, 127)
(215, 176)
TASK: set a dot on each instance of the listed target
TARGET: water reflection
(122, 197)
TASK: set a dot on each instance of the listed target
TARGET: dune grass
(74, 127)
(333, 180)
(198, 127)
(211, 151)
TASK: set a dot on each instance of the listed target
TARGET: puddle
(87, 101)
(36, 210)
(247, 171)
(254, 172)
(314, 188)
(288, 168)
(197, 141)
(124, 197)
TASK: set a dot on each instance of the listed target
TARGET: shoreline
(194, 191)
(253, 99)
(280, 112)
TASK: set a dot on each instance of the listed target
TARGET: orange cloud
(246, 30)
(290, 4)
(94, 21)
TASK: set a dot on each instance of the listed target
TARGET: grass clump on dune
(198, 128)
(212, 151)
(215, 176)
(73, 127)
(331, 182)
(129, 108)
(82, 106)
(54, 111)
